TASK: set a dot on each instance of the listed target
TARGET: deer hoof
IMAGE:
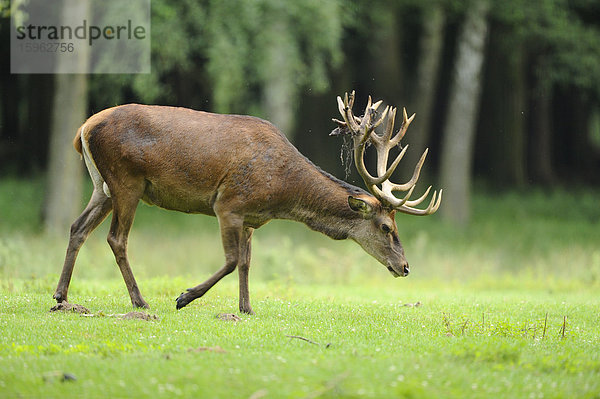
(182, 300)
(247, 310)
(141, 304)
(59, 297)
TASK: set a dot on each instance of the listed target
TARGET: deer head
(381, 238)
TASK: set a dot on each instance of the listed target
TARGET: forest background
(507, 94)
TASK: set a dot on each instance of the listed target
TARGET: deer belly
(182, 199)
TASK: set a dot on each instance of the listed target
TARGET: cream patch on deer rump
(99, 183)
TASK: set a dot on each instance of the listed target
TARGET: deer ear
(358, 205)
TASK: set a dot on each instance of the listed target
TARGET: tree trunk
(64, 191)
(34, 151)
(459, 132)
(541, 137)
(501, 148)
(64, 179)
(280, 95)
(430, 53)
(384, 62)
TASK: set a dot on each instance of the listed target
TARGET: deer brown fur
(240, 169)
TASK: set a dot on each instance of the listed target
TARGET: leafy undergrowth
(305, 341)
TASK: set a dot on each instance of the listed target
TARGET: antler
(363, 133)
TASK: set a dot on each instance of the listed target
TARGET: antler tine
(433, 206)
(341, 106)
(339, 122)
(377, 104)
(383, 115)
(368, 121)
(367, 116)
(370, 111)
(387, 174)
(415, 177)
(370, 181)
(406, 121)
(420, 199)
(391, 199)
(345, 108)
(350, 102)
(389, 127)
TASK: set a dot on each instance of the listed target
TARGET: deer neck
(322, 204)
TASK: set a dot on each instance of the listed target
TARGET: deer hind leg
(243, 269)
(124, 205)
(95, 212)
(231, 236)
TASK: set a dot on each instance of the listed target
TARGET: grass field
(507, 307)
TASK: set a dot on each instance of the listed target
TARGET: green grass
(458, 343)
(509, 308)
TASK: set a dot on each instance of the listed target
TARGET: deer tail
(77, 140)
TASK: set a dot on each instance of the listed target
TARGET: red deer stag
(242, 170)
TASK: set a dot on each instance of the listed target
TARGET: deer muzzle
(400, 270)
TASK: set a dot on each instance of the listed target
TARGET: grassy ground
(458, 343)
(506, 307)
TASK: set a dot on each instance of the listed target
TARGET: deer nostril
(406, 269)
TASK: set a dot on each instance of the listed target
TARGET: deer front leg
(95, 212)
(243, 268)
(231, 236)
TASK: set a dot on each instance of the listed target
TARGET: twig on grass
(482, 321)
(302, 338)
(545, 324)
(216, 349)
(447, 325)
(462, 331)
(563, 328)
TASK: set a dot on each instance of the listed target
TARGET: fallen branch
(302, 338)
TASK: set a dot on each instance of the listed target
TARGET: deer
(243, 171)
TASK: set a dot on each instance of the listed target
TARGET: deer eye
(385, 228)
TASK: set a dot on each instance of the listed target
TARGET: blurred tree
(267, 51)
(177, 45)
(564, 43)
(64, 188)
(428, 63)
(247, 57)
(501, 148)
(462, 115)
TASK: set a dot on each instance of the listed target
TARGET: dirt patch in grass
(228, 317)
(70, 307)
(138, 316)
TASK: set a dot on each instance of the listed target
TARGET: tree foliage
(224, 46)
(564, 34)
(286, 61)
